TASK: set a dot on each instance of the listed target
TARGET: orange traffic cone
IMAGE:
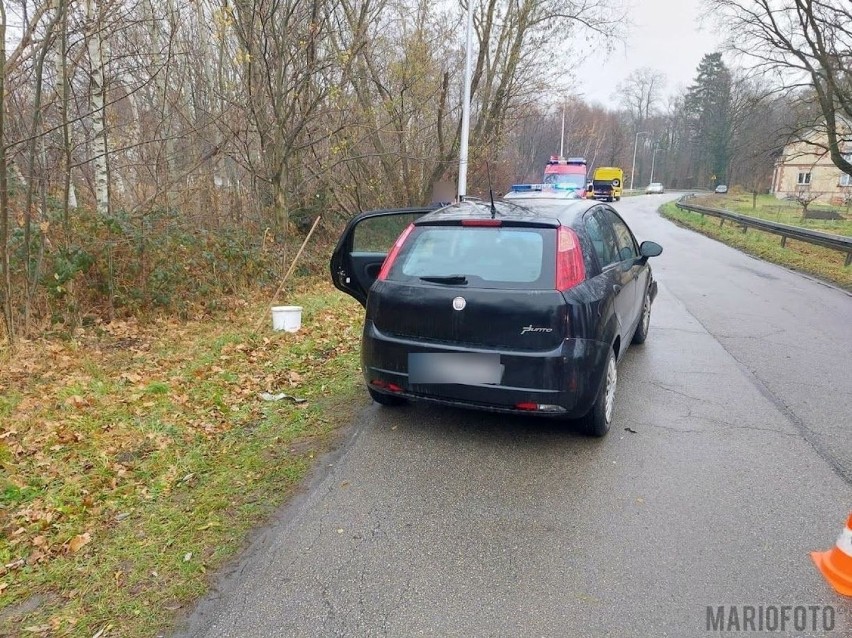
(836, 563)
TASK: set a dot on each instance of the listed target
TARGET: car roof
(534, 210)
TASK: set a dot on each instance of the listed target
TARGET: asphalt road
(434, 521)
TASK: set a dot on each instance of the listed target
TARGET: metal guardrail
(785, 231)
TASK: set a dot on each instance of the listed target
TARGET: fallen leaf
(35, 557)
(76, 401)
(78, 542)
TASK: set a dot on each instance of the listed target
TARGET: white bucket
(287, 318)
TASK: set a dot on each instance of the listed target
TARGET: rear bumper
(565, 379)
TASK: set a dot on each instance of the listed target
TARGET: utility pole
(465, 131)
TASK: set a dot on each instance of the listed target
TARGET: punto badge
(459, 303)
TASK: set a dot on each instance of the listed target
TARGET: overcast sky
(666, 36)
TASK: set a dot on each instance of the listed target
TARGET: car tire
(597, 421)
(618, 199)
(388, 400)
(641, 332)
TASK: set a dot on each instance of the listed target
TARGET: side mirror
(650, 249)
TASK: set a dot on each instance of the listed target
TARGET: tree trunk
(98, 99)
(69, 196)
(153, 17)
(31, 274)
(4, 191)
(282, 210)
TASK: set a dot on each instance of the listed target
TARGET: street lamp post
(635, 145)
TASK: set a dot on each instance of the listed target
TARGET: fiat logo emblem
(459, 303)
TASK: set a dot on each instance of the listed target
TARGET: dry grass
(779, 210)
(134, 458)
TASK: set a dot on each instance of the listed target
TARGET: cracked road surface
(434, 521)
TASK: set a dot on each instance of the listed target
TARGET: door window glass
(602, 239)
(377, 234)
(626, 245)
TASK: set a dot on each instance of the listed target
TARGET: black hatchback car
(520, 307)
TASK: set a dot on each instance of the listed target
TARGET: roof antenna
(490, 190)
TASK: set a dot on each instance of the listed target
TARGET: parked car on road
(519, 307)
(655, 188)
(721, 189)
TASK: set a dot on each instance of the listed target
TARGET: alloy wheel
(611, 382)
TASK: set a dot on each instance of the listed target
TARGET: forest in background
(165, 155)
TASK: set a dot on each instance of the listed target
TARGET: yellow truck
(607, 184)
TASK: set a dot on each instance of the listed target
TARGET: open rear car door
(363, 246)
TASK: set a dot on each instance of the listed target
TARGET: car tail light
(394, 251)
(384, 385)
(570, 269)
(539, 407)
(482, 222)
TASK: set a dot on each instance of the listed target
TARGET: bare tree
(640, 94)
(282, 61)
(804, 196)
(809, 44)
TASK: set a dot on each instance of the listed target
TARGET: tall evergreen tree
(708, 112)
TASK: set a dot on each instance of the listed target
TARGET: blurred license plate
(466, 368)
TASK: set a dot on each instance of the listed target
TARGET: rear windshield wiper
(450, 280)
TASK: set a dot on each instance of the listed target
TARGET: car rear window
(518, 258)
